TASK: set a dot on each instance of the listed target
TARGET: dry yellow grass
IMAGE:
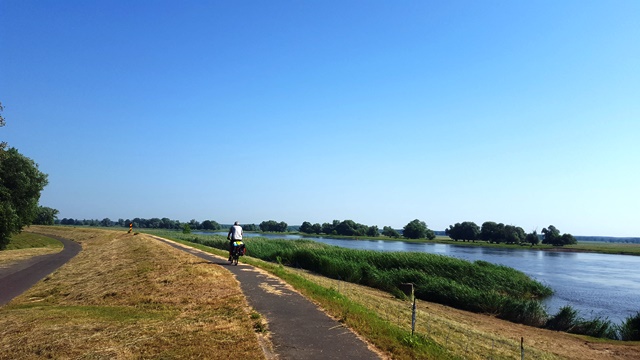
(129, 297)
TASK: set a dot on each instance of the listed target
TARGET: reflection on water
(601, 285)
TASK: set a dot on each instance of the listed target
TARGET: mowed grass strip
(25, 246)
(129, 297)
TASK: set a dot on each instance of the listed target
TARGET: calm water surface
(601, 285)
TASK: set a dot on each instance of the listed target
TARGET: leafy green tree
(568, 239)
(346, 228)
(186, 229)
(467, 230)
(105, 222)
(273, 226)
(210, 225)
(45, 216)
(551, 235)
(513, 234)
(316, 228)
(250, 227)
(373, 231)
(390, 232)
(3, 144)
(417, 229)
(492, 232)
(306, 227)
(532, 238)
(20, 185)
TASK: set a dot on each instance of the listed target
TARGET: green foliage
(552, 237)
(390, 232)
(532, 238)
(186, 229)
(45, 216)
(564, 320)
(567, 319)
(467, 230)
(417, 229)
(210, 225)
(20, 185)
(273, 226)
(598, 327)
(630, 328)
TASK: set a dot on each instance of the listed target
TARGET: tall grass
(630, 329)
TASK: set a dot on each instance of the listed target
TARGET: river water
(597, 285)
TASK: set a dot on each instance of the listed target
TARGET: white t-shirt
(236, 232)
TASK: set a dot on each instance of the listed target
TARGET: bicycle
(238, 250)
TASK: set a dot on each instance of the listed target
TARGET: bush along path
(297, 328)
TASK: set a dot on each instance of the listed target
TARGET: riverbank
(583, 246)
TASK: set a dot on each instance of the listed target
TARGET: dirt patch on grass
(126, 297)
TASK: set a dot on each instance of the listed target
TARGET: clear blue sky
(521, 112)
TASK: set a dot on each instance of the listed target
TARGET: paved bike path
(25, 274)
(298, 329)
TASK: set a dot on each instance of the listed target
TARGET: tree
(210, 225)
(20, 185)
(390, 232)
(45, 216)
(417, 229)
(492, 232)
(306, 227)
(513, 234)
(274, 226)
(568, 239)
(532, 238)
(551, 235)
(186, 229)
(467, 230)
(3, 144)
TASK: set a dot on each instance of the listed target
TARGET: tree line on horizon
(415, 229)
(493, 232)
(490, 231)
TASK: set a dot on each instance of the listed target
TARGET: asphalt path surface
(23, 275)
(297, 328)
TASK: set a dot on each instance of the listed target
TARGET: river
(597, 285)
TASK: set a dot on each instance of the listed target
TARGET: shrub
(564, 320)
(630, 328)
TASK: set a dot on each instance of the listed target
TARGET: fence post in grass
(413, 317)
(407, 289)
(522, 348)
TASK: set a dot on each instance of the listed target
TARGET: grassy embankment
(25, 246)
(129, 297)
(479, 286)
(461, 334)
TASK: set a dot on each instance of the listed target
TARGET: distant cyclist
(235, 234)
